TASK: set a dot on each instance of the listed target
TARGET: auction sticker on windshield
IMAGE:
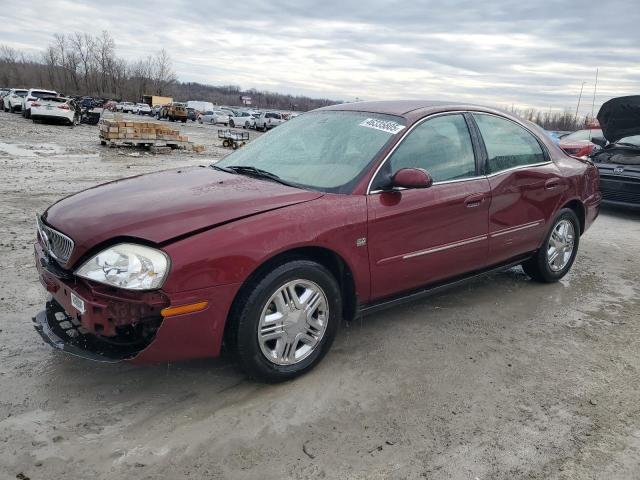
(384, 125)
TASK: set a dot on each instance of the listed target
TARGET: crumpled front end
(107, 324)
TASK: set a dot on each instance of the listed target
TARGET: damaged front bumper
(116, 325)
(66, 333)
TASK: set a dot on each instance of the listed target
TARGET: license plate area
(77, 302)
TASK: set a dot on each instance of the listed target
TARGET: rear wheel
(556, 256)
(285, 320)
(232, 124)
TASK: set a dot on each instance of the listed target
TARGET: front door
(422, 236)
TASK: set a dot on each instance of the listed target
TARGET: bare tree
(163, 75)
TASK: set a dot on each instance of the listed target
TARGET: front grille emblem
(618, 170)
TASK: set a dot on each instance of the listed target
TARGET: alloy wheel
(293, 322)
(560, 246)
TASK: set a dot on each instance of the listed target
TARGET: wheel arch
(578, 208)
(328, 258)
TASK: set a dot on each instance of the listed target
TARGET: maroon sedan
(342, 210)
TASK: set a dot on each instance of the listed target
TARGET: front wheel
(231, 124)
(285, 320)
(556, 256)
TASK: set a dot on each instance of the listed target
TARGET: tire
(184, 121)
(246, 126)
(255, 298)
(225, 143)
(232, 124)
(540, 267)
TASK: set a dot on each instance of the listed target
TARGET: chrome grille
(57, 244)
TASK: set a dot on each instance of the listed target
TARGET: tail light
(35, 104)
(64, 106)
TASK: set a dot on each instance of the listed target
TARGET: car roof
(411, 108)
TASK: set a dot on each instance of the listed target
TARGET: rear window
(42, 93)
(274, 115)
(54, 99)
(20, 93)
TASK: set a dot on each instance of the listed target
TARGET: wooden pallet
(145, 143)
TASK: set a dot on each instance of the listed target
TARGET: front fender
(230, 253)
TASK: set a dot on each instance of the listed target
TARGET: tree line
(87, 65)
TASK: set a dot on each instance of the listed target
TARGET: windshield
(632, 140)
(582, 135)
(325, 150)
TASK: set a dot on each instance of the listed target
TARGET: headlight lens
(129, 266)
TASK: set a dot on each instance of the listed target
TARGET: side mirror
(600, 141)
(411, 178)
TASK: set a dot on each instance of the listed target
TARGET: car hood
(620, 117)
(162, 206)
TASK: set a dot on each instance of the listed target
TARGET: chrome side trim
(444, 247)
(541, 164)
(436, 249)
(517, 228)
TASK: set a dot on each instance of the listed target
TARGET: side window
(508, 144)
(442, 146)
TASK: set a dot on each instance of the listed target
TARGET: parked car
(242, 120)
(346, 210)
(215, 117)
(579, 144)
(55, 109)
(619, 159)
(173, 112)
(143, 109)
(3, 92)
(110, 105)
(32, 95)
(192, 114)
(126, 107)
(268, 120)
(12, 102)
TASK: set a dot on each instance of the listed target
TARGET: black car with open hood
(619, 160)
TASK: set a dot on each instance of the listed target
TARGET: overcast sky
(526, 53)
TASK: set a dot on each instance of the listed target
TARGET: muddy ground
(500, 379)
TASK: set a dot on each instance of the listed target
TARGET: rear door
(526, 187)
(421, 236)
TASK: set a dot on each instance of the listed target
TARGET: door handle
(473, 201)
(551, 184)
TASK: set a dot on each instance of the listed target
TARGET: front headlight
(129, 266)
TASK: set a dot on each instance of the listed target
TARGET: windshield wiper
(222, 169)
(256, 172)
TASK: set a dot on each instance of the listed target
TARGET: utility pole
(575, 120)
(593, 104)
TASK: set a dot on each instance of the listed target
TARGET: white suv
(31, 96)
(13, 100)
(268, 120)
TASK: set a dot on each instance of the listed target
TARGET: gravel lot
(500, 379)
